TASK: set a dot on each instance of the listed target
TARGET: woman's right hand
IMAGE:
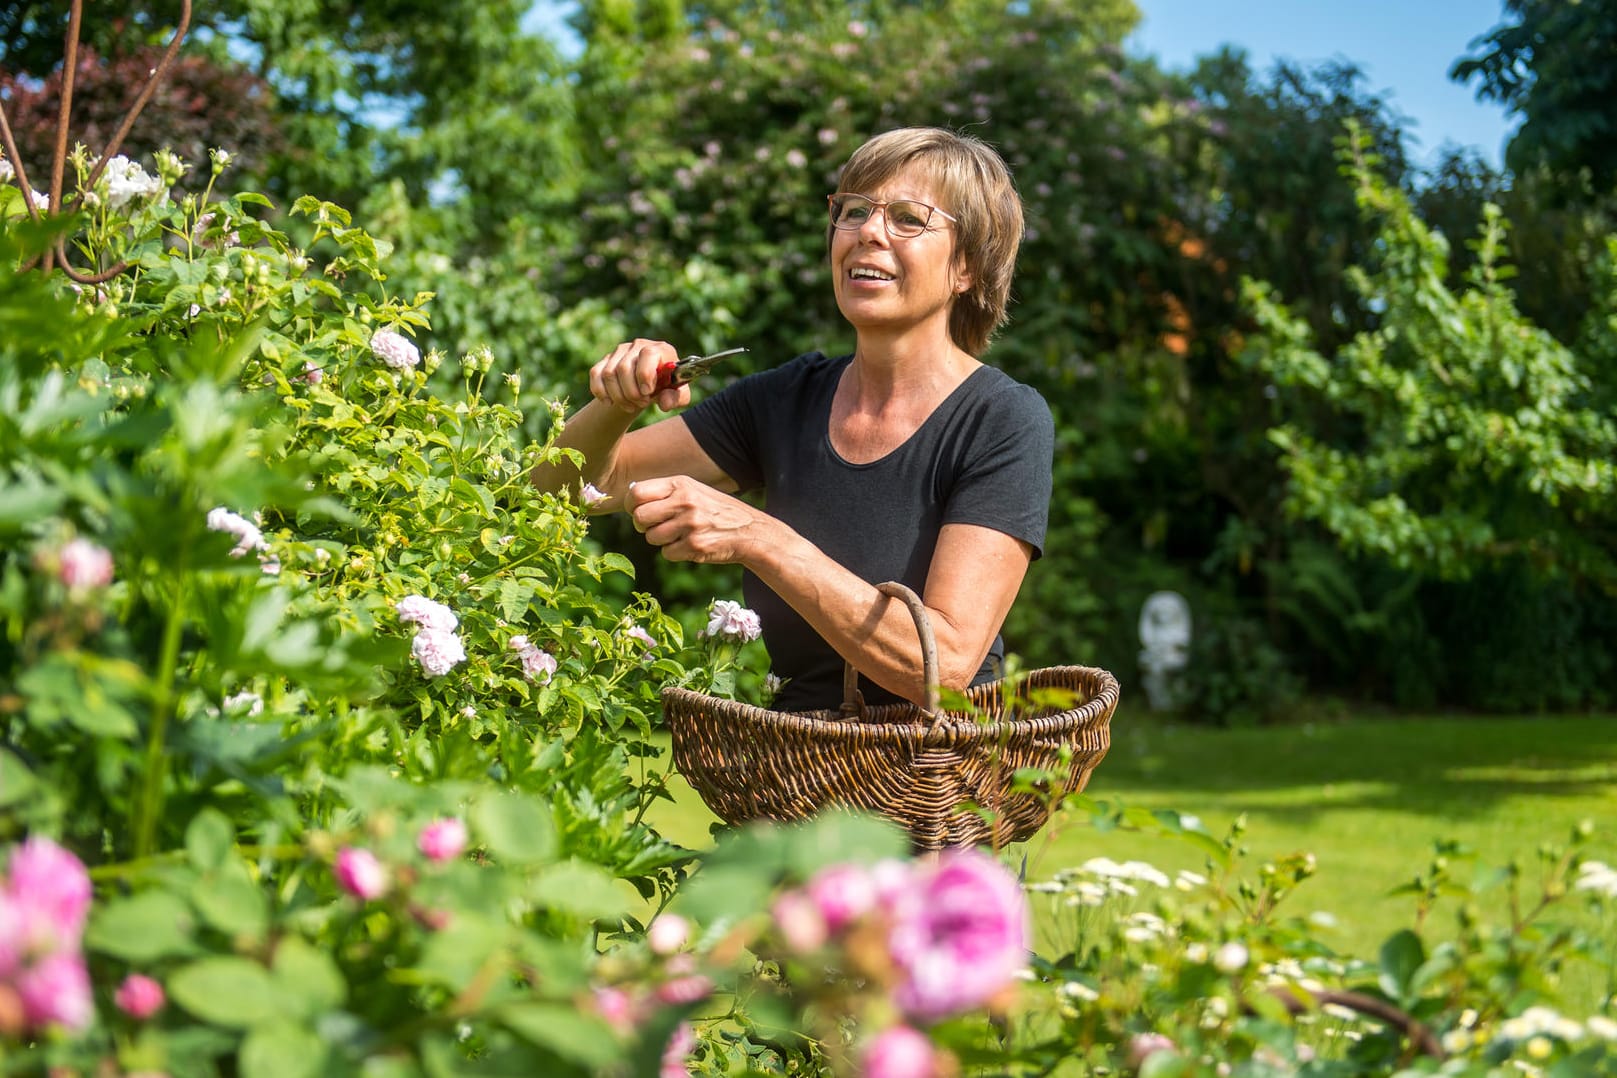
(626, 377)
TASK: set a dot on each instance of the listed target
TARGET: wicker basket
(917, 766)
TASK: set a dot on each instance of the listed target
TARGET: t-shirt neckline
(830, 398)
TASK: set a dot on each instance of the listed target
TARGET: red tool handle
(665, 376)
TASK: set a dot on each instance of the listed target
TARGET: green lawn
(1367, 798)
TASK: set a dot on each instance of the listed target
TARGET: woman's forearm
(595, 431)
(874, 632)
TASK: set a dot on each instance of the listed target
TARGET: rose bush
(327, 745)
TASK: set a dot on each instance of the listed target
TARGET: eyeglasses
(905, 218)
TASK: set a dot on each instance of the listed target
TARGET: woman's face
(884, 281)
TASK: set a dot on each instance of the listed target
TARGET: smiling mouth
(865, 273)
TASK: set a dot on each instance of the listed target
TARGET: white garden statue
(1164, 645)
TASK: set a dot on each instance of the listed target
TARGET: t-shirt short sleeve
(1005, 481)
(727, 425)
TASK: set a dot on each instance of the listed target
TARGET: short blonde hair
(976, 188)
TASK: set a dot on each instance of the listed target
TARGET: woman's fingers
(626, 377)
(689, 520)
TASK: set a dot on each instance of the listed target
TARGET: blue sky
(1405, 48)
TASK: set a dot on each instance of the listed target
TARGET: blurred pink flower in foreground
(616, 1007)
(845, 893)
(679, 1047)
(667, 933)
(959, 935)
(800, 923)
(85, 564)
(55, 991)
(49, 893)
(360, 874)
(44, 901)
(139, 996)
(899, 1052)
(1143, 1045)
(442, 840)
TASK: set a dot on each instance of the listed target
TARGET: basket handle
(853, 701)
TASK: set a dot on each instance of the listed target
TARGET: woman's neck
(917, 366)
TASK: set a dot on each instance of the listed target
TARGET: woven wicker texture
(915, 765)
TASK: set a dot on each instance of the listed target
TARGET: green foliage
(1549, 64)
(1467, 436)
(212, 724)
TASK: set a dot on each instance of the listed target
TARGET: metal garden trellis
(58, 251)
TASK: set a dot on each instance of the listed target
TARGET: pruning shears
(674, 375)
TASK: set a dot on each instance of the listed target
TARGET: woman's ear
(962, 277)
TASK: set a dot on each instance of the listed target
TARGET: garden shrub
(326, 747)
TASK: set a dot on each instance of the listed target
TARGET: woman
(908, 460)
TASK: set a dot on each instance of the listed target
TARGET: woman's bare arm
(974, 577)
(622, 386)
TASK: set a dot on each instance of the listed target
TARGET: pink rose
(360, 873)
(437, 651)
(139, 996)
(442, 840)
(537, 664)
(423, 612)
(842, 894)
(899, 1052)
(667, 933)
(247, 534)
(55, 991)
(681, 990)
(674, 1055)
(960, 937)
(85, 564)
(732, 621)
(799, 921)
(395, 350)
(50, 896)
(635, 632)
(1142, 1045)
(616, 1007)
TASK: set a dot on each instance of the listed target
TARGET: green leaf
(233, 904)
(583, 889)
(17, 783)
(232, 992)
(1401, 956)
(455, 955)
(142, 928)
(517, 829)
(310, 975)
(209, 839)
(581, 1038)
(837, 837)
(282, 1050)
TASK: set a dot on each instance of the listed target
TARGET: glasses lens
(908, 219)
(850, 211)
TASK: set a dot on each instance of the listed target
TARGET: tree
(1468, 438)
(1555, 65)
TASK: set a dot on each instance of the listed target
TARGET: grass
(1368, 798)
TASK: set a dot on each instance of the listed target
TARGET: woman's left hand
(691, 521)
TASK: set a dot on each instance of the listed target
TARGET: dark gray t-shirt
(982, 457)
